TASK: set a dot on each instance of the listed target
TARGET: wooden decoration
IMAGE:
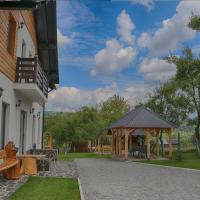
(10, 166)
(11, 150)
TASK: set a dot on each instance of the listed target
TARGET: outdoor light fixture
(1, 92)
(18, 104)
(32, 110)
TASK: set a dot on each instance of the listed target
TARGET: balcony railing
(30, 71)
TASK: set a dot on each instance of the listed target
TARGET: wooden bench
(10, 167)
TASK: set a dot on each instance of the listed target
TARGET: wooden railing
(30, 71)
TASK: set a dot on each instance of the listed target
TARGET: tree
(170, 103)
(113, 109)
(87, 122)
(194, 22)
(188, 80)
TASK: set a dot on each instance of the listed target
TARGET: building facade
(28, 69)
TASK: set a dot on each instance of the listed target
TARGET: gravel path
(104, 179)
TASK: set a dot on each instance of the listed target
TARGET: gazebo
(137, 121)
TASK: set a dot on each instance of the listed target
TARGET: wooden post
(117, 142)
(169, 131)
(120, 141)
(95, 145)
(130, 142)
(126, 144)
(157, 142)
(99, 147)
(113, 142)
(148, 144)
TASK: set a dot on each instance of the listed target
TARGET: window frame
(11, 35)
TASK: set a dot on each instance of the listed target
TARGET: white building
(28, 69)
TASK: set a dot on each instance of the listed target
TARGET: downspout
(43, 125)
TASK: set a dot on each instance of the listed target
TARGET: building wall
(8, 62)
(33, 133)
(11, 98)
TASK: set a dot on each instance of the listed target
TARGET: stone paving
(106, 179)
(7, 187)
(61, 169)
(58, 169)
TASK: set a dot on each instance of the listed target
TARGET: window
(11, 35)
(23, 49)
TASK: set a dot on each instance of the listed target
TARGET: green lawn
(37, 188)
(72, 156)
(190, 160)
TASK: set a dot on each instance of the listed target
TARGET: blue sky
(109, 47)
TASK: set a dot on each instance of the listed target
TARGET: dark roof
(141, 117)
(138, 132)
(46, 29)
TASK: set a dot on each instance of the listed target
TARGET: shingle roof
(141, 117)
(138, 132)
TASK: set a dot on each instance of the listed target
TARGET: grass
(72, 156)
(37, 188)
(189, 160)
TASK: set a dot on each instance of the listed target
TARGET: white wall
(10, 96)
(13, 133)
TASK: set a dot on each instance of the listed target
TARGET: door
(22, 132)
(4, 124)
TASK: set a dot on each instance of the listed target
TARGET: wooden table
(29, 164)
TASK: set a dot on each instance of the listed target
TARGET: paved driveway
(104, 179)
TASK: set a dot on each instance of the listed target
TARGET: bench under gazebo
(141, 122)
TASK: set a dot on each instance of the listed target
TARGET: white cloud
(64, 39)
(72, 98)
(173, 31)
(125, 26)
(156, 69)
(113, 58)
(149, 4)
(136, 93)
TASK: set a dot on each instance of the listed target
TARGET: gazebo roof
(138, 132)
(142, 117)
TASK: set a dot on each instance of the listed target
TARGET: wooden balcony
(30, 72)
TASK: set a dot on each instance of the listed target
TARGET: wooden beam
(120, 141)
(130, 142)
(126, 144)
(157, 142)
(148, 143)
(169, 131)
